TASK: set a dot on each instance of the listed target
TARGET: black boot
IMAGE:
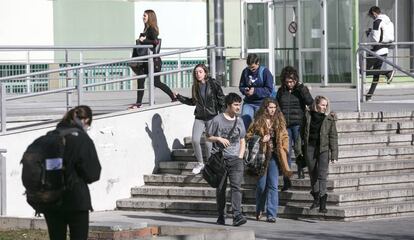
(301, 173)
(286, 184)
(315, 202)
(322, 206)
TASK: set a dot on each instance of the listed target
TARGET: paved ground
(283, 229)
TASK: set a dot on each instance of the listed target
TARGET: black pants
(58, 221)
(375, 64)
(318, 169)
(235, 174)
(143, 69)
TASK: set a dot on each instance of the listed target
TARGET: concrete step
(288, 211)
(353, 153)
(369, 128)
(341, 168)
(374, 116)
(350, 183)
(338, 198)
(375, 141)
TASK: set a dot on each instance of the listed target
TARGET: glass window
(257, 25)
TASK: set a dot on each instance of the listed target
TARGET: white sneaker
(198, 168)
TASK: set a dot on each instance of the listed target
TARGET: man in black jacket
(293, 97)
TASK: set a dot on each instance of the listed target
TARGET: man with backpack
(382, 31)
(66, 161)
(256, 84)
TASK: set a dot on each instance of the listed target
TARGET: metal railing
(80, 87)
(362, 71)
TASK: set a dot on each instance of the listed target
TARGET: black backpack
(43, 173)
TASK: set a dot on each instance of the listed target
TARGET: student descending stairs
(373, 178)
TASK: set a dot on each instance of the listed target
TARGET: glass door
(310, 40)
(258, 31)
(286, 36)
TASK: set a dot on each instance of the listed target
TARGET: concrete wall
(129, 144)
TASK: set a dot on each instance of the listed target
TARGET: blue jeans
(248, 111)
(267, 190)
(293, 132)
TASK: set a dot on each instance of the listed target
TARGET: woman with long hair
(208, 97)
(150, 37)
(269, 124)
(320, 139)
(82, 167)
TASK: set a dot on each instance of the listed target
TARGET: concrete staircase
(374, 177)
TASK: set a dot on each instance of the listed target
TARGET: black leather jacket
(213, 105)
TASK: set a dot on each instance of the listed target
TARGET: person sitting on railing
(382, 31)
(150, 36)
(208, 98)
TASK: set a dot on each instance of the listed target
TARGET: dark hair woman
(270, 125)
(150, 37)
(320, 145)
(82, 167)
(208, 97)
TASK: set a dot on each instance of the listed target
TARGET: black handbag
(215, 171)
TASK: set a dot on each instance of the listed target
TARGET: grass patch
(23, 234)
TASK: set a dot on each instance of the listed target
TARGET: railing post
(28, 71)
(358, 82)
(213, 62)
(68, 77)
(151, 78)
(364, 74)
(79, 87)
(3, 107)
(3, 185)
(180, 74)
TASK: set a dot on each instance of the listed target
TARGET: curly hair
(288, 72)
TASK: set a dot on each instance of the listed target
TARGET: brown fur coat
(282, 143)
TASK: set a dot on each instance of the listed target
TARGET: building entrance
(298, 33)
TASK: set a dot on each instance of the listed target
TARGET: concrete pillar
(219, 40)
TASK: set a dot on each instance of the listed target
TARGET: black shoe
(368, 98)
(286, 184)
(315, 202)
(322, 206)
(239, 220)
(271, 220)
(221, 220)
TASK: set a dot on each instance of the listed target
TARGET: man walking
(382, 31)
(227, 133)
(256, 84)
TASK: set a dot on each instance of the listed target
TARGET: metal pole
(3, 107)
(213, 62)
(151, 88)
(358, 83)
(219, 40)
(324, 43)
(80, 80)
(243, 29)
(364, 75)
(28, 90)
(3, 184)
(68, 77)
(180, 74)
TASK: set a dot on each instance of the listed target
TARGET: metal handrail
(362, 73)
(80, 86)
